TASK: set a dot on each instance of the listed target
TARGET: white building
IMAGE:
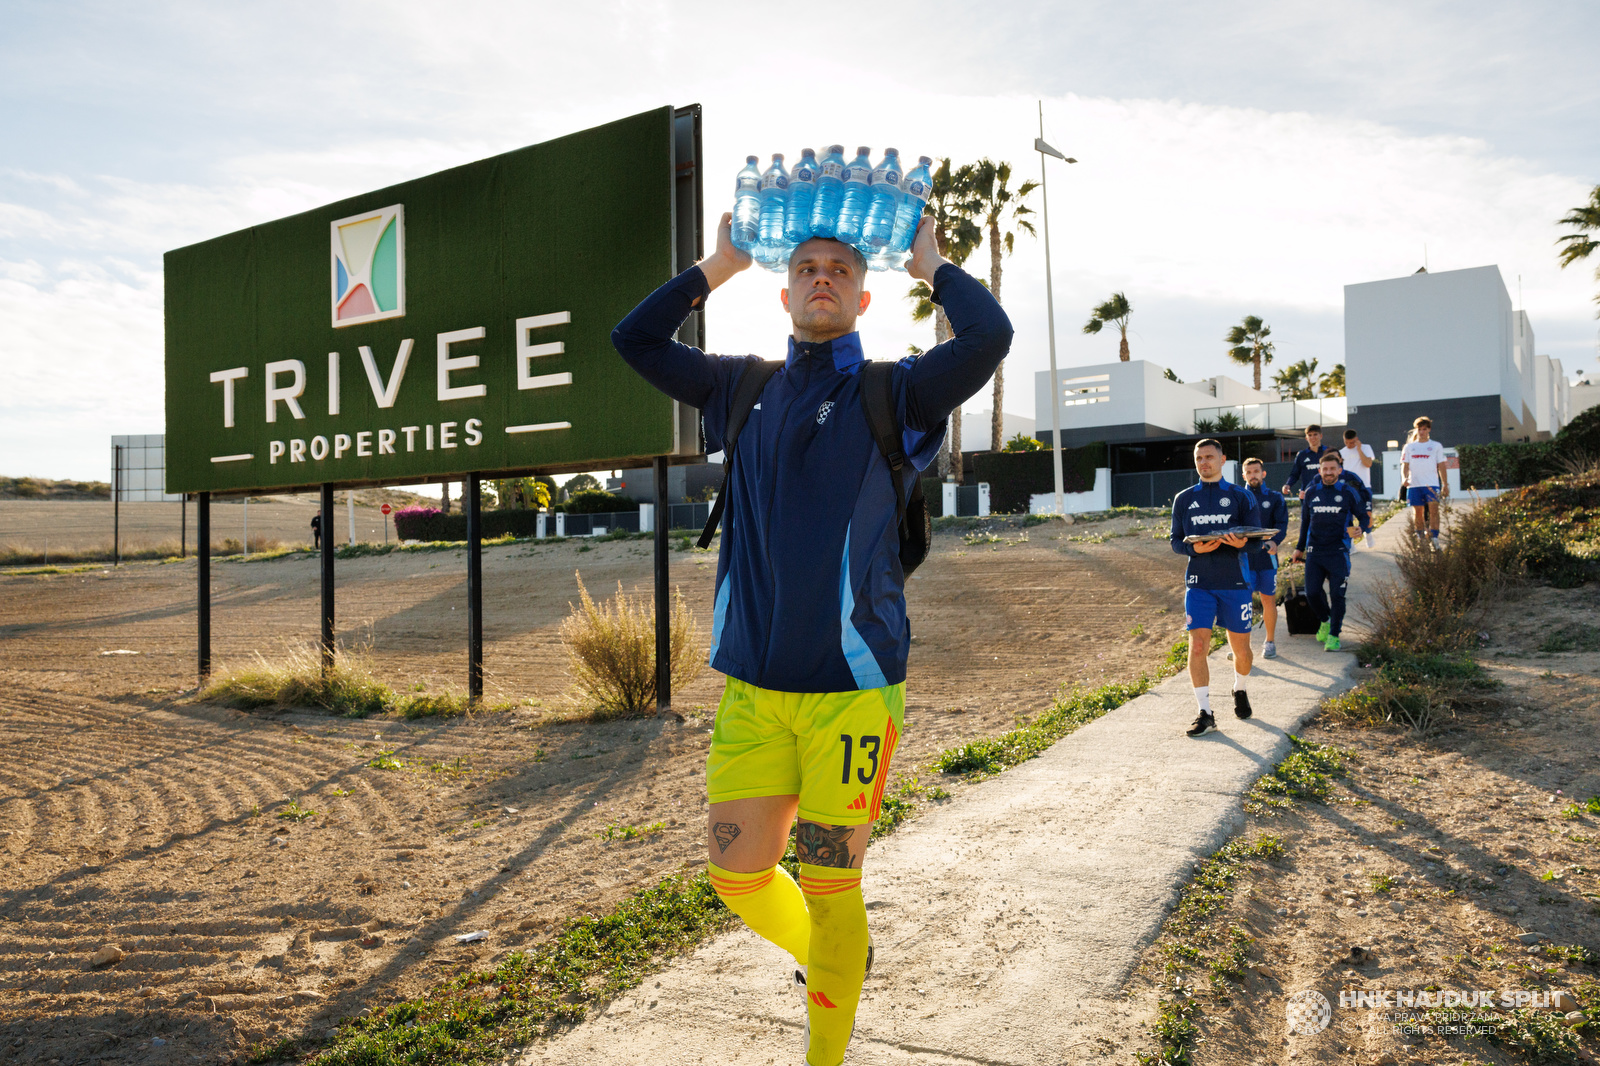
(1119, 401)
(1449, 346)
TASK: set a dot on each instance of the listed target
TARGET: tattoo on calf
(824, 845)
(725, 833)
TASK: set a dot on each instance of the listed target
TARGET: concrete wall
(1096, 499)
(1121, 401)
(1581, 397)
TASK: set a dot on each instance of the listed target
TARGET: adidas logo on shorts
(859, 803)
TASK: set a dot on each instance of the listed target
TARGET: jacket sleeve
(1358, 508)
(645, 341)
(1282, 523)
(941, 379)
(1178, 534)
(1305, 524)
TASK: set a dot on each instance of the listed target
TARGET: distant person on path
(1263, 554)
(1327, 513)
(316, 531)
(1357, 458)
(810, 619)
(1422, 472)
(1218, 577)
(1304, 473)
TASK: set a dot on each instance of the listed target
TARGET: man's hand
(727, 260)
(1205, 547)
(1302, 494)
(925, 257)
(1236, 540)
(1299, 556)
(1272, 547)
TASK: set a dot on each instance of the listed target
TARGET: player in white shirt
(1422, 468)
(1357, 457)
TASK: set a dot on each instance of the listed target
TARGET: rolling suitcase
(1297, 612)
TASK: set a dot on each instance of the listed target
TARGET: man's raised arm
(948, 373)
(645, 339)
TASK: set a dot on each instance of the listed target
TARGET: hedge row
(430, 523)
(1504, 465)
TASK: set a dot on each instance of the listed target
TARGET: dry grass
(1438, 604)
(13, 554)
(349, 688)
(611, 650)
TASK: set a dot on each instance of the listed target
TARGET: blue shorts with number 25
(1228, 608)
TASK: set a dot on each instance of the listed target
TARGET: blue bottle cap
(863, 150)
(751, 159)
(836, 149)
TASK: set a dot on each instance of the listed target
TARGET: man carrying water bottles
(810, 618)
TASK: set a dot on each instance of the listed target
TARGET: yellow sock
(770, 903)
(838, 958)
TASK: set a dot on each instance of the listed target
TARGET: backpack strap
(745, 396)
(877, 398)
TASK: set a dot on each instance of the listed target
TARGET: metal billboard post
(116, 506)
(663, 593)
(474, 508)
(202, 519)
(326, 529)
(183, 527)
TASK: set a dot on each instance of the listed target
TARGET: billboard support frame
(203, 569)
(474, 507)
(325, 527)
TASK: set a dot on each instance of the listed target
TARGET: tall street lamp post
(1044, 149)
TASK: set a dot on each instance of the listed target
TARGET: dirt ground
(1468, 823)
(80, 525)
(179, 832)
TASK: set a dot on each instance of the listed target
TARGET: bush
(1487, 466)
(422, 523)
(611, 650)
(1019, 443)
(596, 501)
(1014, 477)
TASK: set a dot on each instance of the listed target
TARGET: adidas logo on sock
(821, 1000)
(859, 803)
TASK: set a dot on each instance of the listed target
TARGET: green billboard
(459, 323)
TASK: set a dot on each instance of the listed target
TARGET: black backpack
(916, 528)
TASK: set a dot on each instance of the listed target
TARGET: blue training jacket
(1325, 515)
(1274, 512)
(1305, 472)
(810, 593)
(1210, 507)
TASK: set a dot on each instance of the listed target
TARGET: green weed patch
(1307, 773)
(1071, 710)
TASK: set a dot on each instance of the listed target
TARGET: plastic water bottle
(887, 259)
(879, 228)
(774, 189)
(802, 195)
(914, 195)
(747, 206)
(857, 198)
(830, 191)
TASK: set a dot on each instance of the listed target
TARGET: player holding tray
(1211, 523)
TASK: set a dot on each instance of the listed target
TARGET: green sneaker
(1322, 632)
(1331, 644)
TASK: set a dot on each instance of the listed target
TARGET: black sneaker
(1206, 723)
(1241, 704)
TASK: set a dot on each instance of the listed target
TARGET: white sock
(1239, 681)
(1202, 693)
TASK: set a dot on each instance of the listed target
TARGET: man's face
(1424, 432)
(825, 292)
(1330, 472)
(1352, 442)
(1208, 463)
(1254, 475)
(1313, 439)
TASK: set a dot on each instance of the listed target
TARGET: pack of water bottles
(874, 208)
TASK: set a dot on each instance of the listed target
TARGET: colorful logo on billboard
(369, 266)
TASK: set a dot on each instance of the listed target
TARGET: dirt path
(135, 818)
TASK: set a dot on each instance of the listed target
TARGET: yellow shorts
(832, 749)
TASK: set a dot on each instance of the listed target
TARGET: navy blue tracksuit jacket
(810, 593)
(1211, 507)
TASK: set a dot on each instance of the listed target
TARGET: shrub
(595, 501)
(349, 688)
(1014, 477)
(1019, 443)
(611, 650)
(421, 523)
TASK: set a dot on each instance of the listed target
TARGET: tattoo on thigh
(824, 845)
(725, 833)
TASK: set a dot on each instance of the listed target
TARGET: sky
(1233, 158)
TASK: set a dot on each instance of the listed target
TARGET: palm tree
(1250, 344)
(1297, 380)
(1332, 383)
(996, 206)
(1580, 244)
(952, 206)
(1116, 312)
